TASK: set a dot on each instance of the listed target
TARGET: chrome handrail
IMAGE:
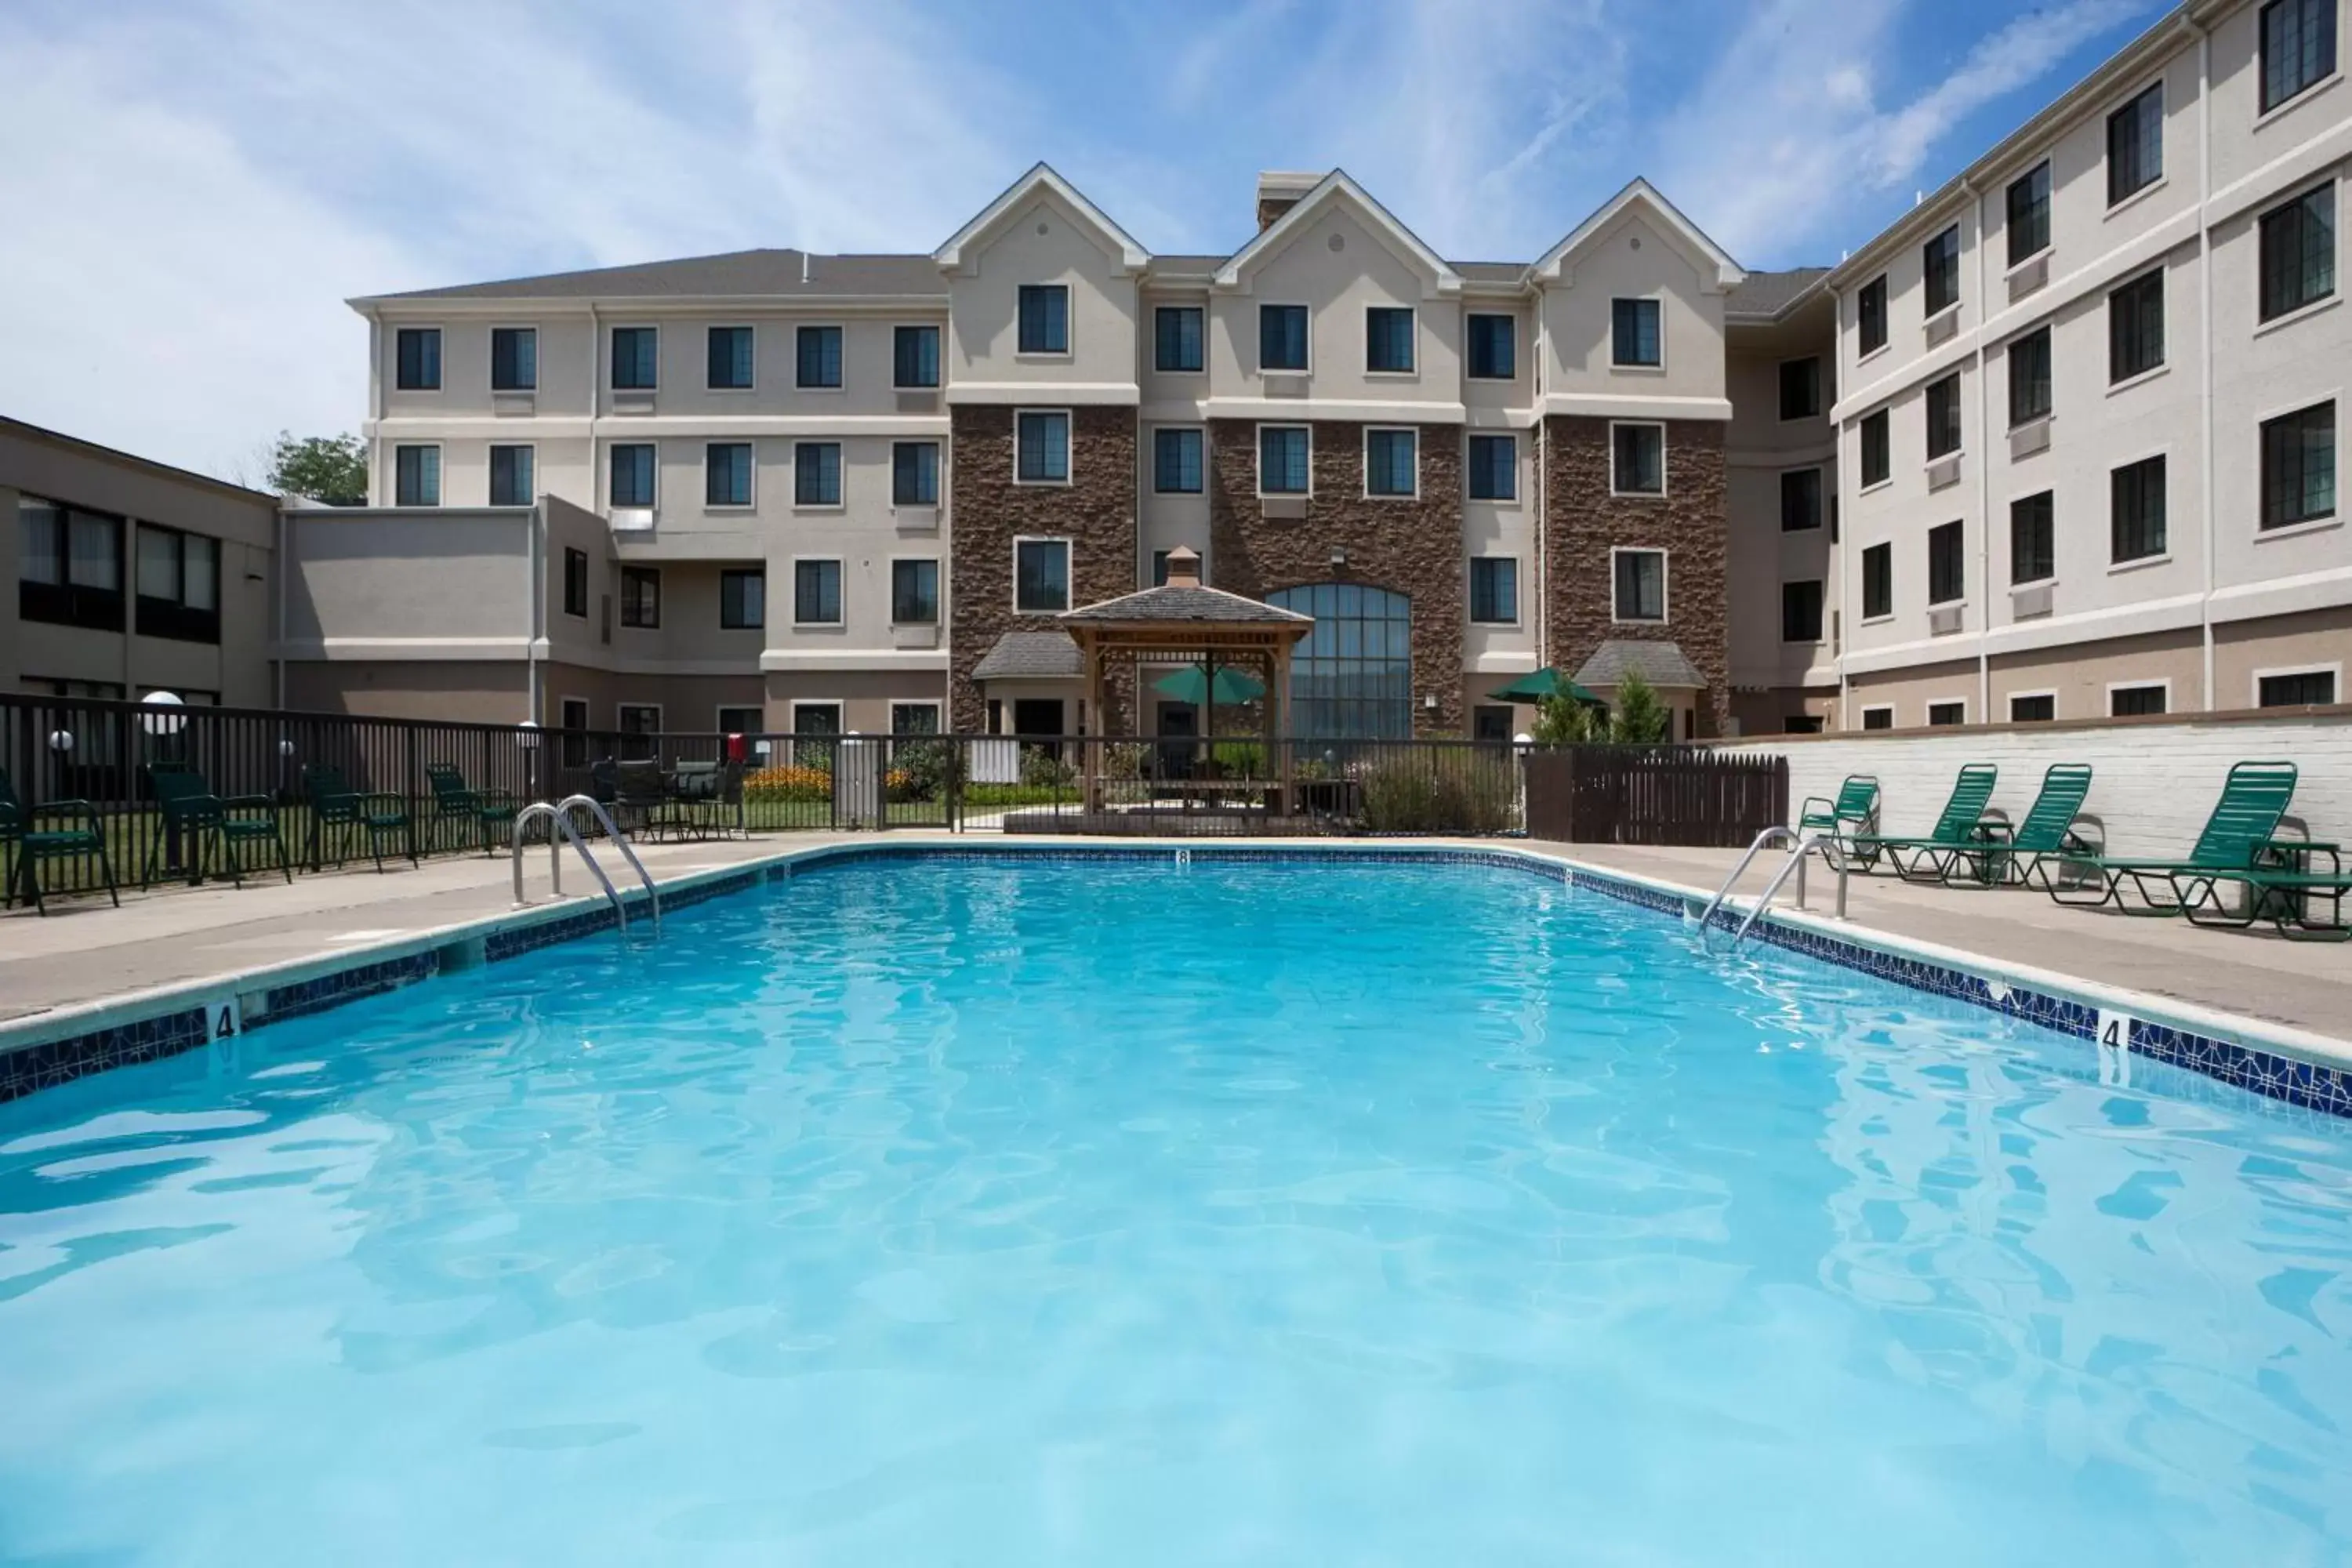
(621, 842)
(1826, 844)
(562, 830)
(1755, 847)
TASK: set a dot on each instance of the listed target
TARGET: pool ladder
(1823, 844)
(559, 818)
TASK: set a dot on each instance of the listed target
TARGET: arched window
(1351, 677)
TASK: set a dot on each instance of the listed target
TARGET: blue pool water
(1017, 1213)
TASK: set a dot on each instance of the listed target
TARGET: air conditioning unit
(631, 519)
(2030, 277)
(1944, 473)
(1286, 386)
(2029, 603)
(1941, 328)
(916, 518)
(2029, 437)
(919, 402)
(509, 404)
(1282, 509)
(1944, 622)
(915, 637)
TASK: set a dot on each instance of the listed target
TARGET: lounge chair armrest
(1828, 806)
(1993, 830)
(80, 810)
(2281, 849)
(374, 794)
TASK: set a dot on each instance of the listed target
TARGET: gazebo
(1183, 621)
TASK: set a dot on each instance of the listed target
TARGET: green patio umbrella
(1191, 684)
(1541, 684)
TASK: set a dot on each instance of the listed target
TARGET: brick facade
(1583, 522)
(1095, 511)
(1411, 547)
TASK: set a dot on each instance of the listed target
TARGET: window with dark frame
(2135, 145)
(1388, 339)
(1160, 568)
(914, 718)
(914, 473)
(819, 358)
(1494, 468)
(1283, 466)
(416, 353)
(2029, 377)
(2311, 688)
(636, 358)
(1637, 459)
(1800, 611)
(1493, 345)
(2299, 467)
(1878, 582)
(1877, 458)
(633, 472)
(1947, 715)
(1635, 337)
(1178, 339)
(1948, 577)
(1391, 463)
(1040, 576)
(1494, 590)
(417, 476)
(746, 719)
(641, 596)
(178, 579)
(1490, 722)
(1878, 718)
(571, 718)
(2298, 47)
(816, 593)
(1944, 417)
(726, 473)
(2028, 214)
(743, 598)
(1042, 447)
(915, 357)
(817, 473)
(1801, 501)
(2034, 538)
(2299, 252)
(1282, 337)
(1800, 388)
(1640, 585)
(575, 582)
(914, 592)
(730, 359)
(510, 477)
(2136, 523)
(1939, 264)
(1176, 467)
(1870, 315)
(2135, 327)
(2135, 701)
(1045, 319)
(514, 359)
(2032, 708)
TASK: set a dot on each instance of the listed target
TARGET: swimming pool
(1021, 1210)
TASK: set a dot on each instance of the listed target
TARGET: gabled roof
(1041, 177)
(1643, 196)
(1187, 604)
(1030, 655)
(1767, 295)
(734, 274)
(1339, 186)
(1661, 664)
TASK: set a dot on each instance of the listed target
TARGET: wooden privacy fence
(1629, 794)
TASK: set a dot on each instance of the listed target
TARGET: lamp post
(527, 739)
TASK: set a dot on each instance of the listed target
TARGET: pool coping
(2275, 1060)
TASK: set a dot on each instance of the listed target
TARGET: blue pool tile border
(54, 1062)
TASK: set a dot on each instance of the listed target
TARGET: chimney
(1183, 568)
(1278, 191)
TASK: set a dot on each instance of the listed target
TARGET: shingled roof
(1029, 656)
(734, 273)
(1186, 603)
(1659, 663)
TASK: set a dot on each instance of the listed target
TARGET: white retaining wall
(2153, 783)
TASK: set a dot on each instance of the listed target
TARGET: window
(914, 718)
(2298, 246)
(1870, 315)
(1040, 576)
(2299, 467)
(1282, 459)
(1494, 468)
(573, 719)
(742, 599)
(575, 584)
(1945, 715)
(1177, 338)
(734, 720)
(1800, 611)
(2135, 701)
(510, 475)
(2135, 144)
(632, 474)
(1392, 465)
(2029, 377)
(635, 359)
(1878, 718)
(915, 357)
(1045, 319)
(2298, 47)
(1160, 568)
(2032, 708)
(514, 359)
(179, 584)
(1351, 677)
(1878, 582)
(817, 473)
(1947, 565)
(1877, 451)
(2314, 687)
(638, 722)
(1495, 590)
(726, 473)
(1388, 339)
(1633, 333)
(1176, 462)
(729, 368)
(2135, 327)
(417, 476)
(1641, 585)
(417, 353)
(1637, 457)
(1940, 264)
(2032, 538)
(1944, 417)
(1282, 337)
(1802, 724)
(914, 592)
(819, 357)
(641, 596)
(1800, 388)
(1043, 448)
(1494, 348)
(1801, 501)
(816, 593)
(2137, 516)
(2028, 214)
(814, 726)
(1491, 723)
(914, 473)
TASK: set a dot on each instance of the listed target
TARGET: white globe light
(167, 717)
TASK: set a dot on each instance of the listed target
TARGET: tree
(330, 468)
(1562, 720)
(1641, 720)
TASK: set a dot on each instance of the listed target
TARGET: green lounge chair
(21, 830)
(1956, 827)
(2236, 835)
(487, 816)
(2281, 894)
(341, 812)
(1852, 814)
(198, 818)
(2002, 855)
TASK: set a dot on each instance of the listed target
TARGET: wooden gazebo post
(1090, 745)
(1277, 718)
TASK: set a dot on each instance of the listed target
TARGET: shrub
(1239, 759)
(1641, 720)
(922, 769)
(1464, 793)
(792, 781)
(1041, 768)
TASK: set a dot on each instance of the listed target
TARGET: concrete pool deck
(87, 953)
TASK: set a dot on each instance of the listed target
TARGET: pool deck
(87, 953)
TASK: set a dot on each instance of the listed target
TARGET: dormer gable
(1339, 189)
(1717, 272)
(1040, 186)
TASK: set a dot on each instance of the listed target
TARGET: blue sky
(194, 186)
